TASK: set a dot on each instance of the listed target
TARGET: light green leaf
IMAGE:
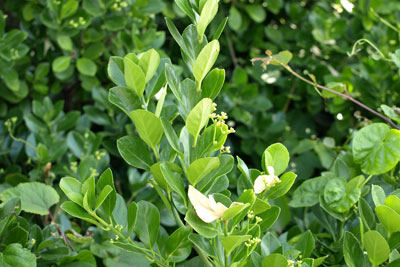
(213, 83)
(280, 189)
(233, 241)
(172, 138)
(69, 8)
(35, 197)
(86, 66)
(233, 211)
(200, 168)
(378, 195)
(102, 196)
(61, 63)
(277, 156)
(148, 62)
(276, 260)
(75, 210)
(72, 189)
(198, 117)
(124, 98)
(376, 148)
(148, 126)
(173, 179)
(106, 179)
(377, 248)
(115, 69)
(393, 202)
(134, 76)
(256, 12)
(207, 14)
(205, 60)
(389, 218)
(64, 42)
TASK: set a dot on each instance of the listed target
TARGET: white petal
(212, 202)
(220, 209)
(198, 199)
(270, 170)
(206, 215)
(259, 184)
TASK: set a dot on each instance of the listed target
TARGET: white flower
(266, 181)
(206, 208)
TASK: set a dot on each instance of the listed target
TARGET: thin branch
(61, 233)
(345, 96)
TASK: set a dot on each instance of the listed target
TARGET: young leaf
(276, 260)
(102, 196)
(106, 179)
(148, 62)
(233, 211)
(205, 60)
(277, 156)
(115, 70)
(280, 189)
(389, 218)
(233, 241)
(148, 126)
(72, 189)
(376, 246)
(207, 14)
(134, 77)
(213, 83)
(200, 168)
(75, 210)
(198, 118)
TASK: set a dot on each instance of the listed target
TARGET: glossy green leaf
(132, 217)
(75, 210)
(376, 246)
(134, 151)
(61, 63)
(106, 180)
(393, 202)
(213, 83)
(198, 117)
(207, 230)
(72, 189)
(280, 189)
(352, 252)
(148, 126)
(178, 246)
(86, 66)
(148, 62)
(269, 217)
(376, 148)
(233, 241)
(205, 60)
(277, 156)
(172, 138)
(307, 194)
(147, 226)
(173, 179)
(124, 98)
(200, 168)
(234, 210)
(207, 14)
(378, 195)
(276, 260)
(35, 197)
(134, 76)
(102, 196)
(115, 69)
(389, 218)
(306, 244)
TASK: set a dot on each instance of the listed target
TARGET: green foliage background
(56, 119)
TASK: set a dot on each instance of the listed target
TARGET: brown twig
(61, 233)
(345, 96)
(231, 50)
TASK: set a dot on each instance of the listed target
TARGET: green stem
(226, 234)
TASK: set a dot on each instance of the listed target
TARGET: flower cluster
(252, 241)
(119, 5)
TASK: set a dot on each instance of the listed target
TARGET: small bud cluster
(57, 2)
(292, 263)
(99, 154)
(119, 227)
(253, 241)
(250, 215)
(76, 23)
(14, 53)
(119, 5)
(93, 172)
(219, 122)
(74, 166)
